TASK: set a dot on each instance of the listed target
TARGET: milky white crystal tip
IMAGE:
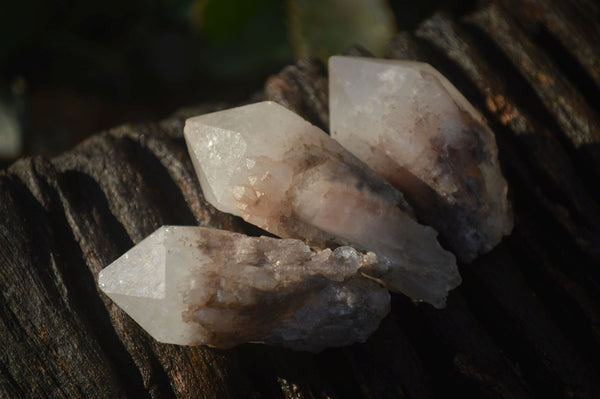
(274, 169)
(194, 285)
(411, 125)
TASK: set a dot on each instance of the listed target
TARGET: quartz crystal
(411, 125)
(194, 285)
(274, 169)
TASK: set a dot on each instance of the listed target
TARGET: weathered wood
(574, 24)
(578, 121)
(525, 322)
(538, 173)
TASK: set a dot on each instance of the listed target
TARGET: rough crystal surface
(194, 285)
(411, 125)
(274, 169)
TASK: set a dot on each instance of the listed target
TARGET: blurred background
(71, 68)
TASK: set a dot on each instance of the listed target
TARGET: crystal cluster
(347, 235)
(274, 169)
(412, 126)
(194, 285)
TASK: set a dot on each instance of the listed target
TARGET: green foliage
(222, 19)
(241, 37)
(326, 27)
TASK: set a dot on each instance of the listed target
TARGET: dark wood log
(525, 322)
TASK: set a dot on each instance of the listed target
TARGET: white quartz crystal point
(194, 285)
(411, 125)
(274, 169)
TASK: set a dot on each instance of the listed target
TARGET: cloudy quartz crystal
(194, 285)
(411, 125)
(274, 169)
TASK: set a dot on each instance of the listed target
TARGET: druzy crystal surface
(411, 125)
(274, 169)
(194, 285)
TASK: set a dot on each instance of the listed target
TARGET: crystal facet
(194, 285)
(274, 169)
(411, 125)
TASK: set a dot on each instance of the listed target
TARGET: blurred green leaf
(241, 37)
(320, 28)
(222, 19)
